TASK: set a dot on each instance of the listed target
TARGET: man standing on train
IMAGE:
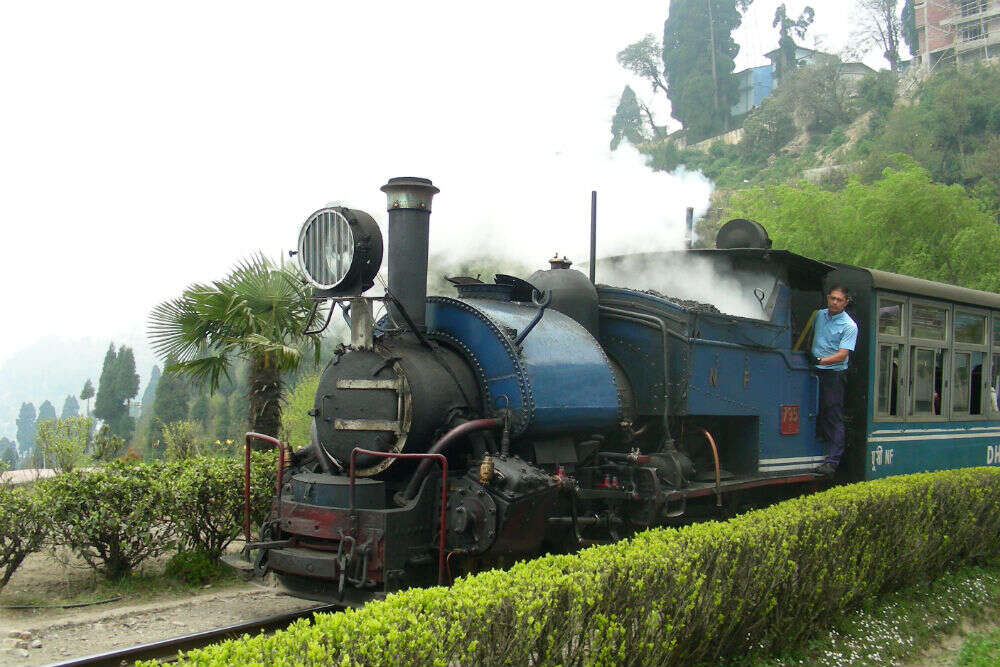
(834, 337)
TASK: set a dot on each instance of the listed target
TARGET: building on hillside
(755, 83)
(803, 56)
(959, 31)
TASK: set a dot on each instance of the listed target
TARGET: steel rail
(168, 649)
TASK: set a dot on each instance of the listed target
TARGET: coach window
(993, 390)
(891, 343)
(968, 360)
(929, 338)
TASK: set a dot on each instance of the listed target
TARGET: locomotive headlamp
(340, 251)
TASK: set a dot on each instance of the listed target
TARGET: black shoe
(826, 470)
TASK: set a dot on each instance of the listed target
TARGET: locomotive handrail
(639, 316)
(542, 304)
(715, 456)
(440, 458)
(282, 448)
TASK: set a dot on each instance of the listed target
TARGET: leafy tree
(877, 92)
(70, 408)
(118, 384)
(766, 129)
(879, 26)
(107, 446)
(819, 95)
(26, 428)
(149, 393)
(644, 59)
(181, 440)
(46, 412)
(8, 453)
(786, 25)
(925, 229)
(699, 71)
(257, 314)
(627, 122)
(948, 129)
(63, 442)
(87, 393)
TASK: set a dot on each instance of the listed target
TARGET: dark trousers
(832, 385)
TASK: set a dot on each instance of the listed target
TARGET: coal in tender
(689, 304)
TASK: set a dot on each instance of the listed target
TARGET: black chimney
(409, 206)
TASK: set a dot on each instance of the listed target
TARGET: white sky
(144, 146)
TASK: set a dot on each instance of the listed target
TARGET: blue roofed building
(755, 83)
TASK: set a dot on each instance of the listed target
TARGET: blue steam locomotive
(457, 433)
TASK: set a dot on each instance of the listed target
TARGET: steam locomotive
(525, 415)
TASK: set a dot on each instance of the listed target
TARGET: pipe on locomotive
(409, 206)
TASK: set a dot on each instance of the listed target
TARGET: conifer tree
(46, 412)
(149, 393)
(87, 393)
(698, 61)
(70, 408)
(26, 428)
(117, 386)
(170, 403)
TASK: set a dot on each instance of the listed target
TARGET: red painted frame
(444, 492)
(282, 449)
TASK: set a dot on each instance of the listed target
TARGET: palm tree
(257, 314)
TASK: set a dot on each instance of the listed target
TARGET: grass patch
(901, 625)
(75, 585)
(981, 649)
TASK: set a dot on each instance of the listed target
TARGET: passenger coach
(923, 382)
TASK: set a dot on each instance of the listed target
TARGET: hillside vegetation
(827, 166)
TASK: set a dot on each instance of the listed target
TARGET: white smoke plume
(695, 278)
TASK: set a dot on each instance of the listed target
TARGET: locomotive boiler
(529, 414)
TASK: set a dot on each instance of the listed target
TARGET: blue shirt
(831, 334)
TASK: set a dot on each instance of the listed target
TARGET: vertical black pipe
(690, 226)
(409, 206)
(593, 236)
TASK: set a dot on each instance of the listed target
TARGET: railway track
(168, 649)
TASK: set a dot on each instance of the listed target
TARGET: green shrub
(766, 130)
(180, 440)
(108, 446)
(759, 582)
(194, 567)
(23, 528)
(113, 518)
(205, 499)
(64, 441)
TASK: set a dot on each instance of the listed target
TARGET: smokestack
(409, 206)
(690, 226)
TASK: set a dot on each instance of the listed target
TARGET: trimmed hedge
(109, 517)
(117, 516)
(760, 582)
(205, 499)
(23, 528)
